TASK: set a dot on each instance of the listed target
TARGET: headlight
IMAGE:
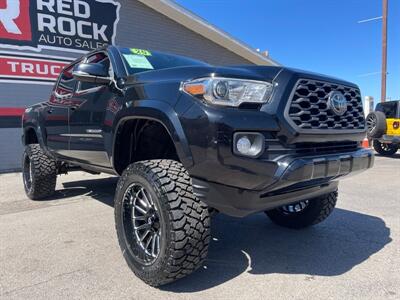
(229, 91)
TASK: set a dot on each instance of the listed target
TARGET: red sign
(14, 67)
(15, 20)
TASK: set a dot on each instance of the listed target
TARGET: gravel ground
(67, 247)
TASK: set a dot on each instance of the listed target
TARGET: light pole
(384, 18)
(384, 49)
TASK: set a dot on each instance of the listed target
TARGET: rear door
(56, 115)
(87, 118)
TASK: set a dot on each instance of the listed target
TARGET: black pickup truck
(189, 139)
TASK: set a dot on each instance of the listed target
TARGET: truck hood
(192, 72)
(262, 73)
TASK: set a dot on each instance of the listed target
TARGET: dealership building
(39, 37)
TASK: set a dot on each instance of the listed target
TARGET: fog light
(243, 145)
(248, 144)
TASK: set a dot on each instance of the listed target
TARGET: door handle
(50, 110)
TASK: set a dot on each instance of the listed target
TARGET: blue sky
(318, 35)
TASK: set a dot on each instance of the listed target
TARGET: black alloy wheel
(304, 213)
(39, 172)
(163, 229)
(294, 208)
(140, 217)
(385, 149)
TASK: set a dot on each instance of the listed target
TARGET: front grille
(325, 148)
(309, 109)
(274, 148)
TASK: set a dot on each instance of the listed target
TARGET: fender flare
(161, 112)
(38, 132)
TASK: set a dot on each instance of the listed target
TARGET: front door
(87, 119)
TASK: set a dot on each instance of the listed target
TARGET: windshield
(388, 108)
(140, 60)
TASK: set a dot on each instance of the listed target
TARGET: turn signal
(195, 89)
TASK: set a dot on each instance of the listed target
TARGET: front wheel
(163, 229)
(304, 213)
(384, 148)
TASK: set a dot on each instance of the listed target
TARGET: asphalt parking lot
(66, 247)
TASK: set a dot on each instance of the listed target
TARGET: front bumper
(295, 179)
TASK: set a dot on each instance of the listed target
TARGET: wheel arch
(163, 114)
(31, 135)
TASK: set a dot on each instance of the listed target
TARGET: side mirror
(94, 73)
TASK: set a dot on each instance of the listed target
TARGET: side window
(66, 82)
(388, 108)
(99, 58)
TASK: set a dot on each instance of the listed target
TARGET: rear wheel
(39, 172)
(384, 148)
(304, 213)
(163, 229)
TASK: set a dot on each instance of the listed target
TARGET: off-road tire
(316, 211)
(43, 173)
(184, 221)
(385, 149)
(376, 124)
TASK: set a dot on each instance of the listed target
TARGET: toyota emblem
(337, 102)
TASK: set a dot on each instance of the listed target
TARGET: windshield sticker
(138, 61)
(141, 52)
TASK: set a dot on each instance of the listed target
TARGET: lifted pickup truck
(189, 139)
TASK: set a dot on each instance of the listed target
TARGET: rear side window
(390, 109)
(66, 83)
